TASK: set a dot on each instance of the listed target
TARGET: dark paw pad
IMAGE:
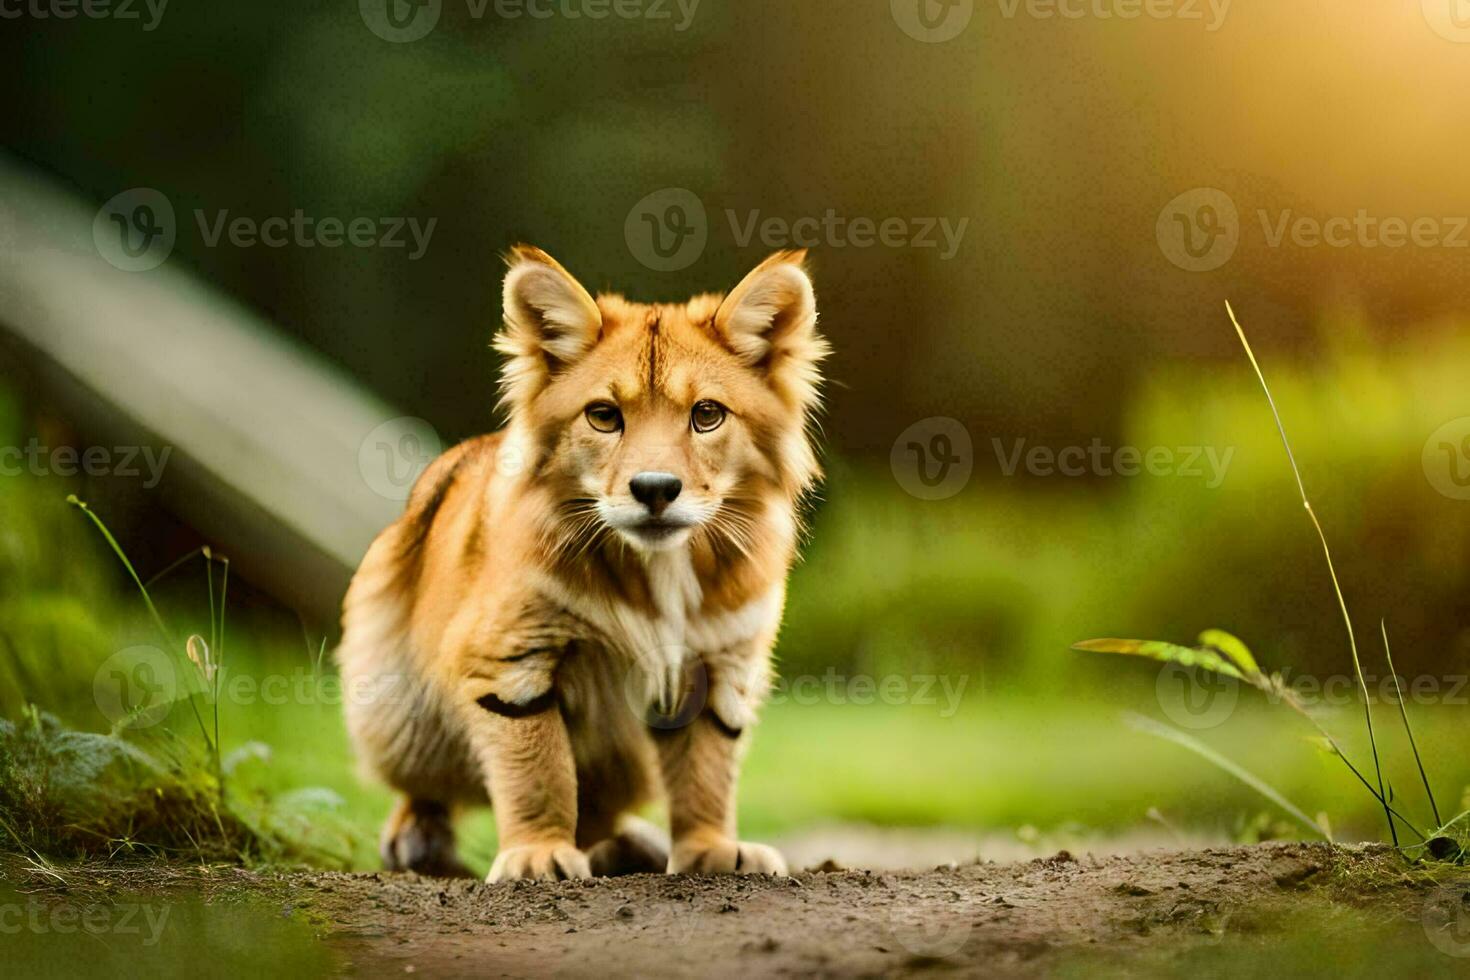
(423, 843)
(631, 852)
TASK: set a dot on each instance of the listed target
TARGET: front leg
(526, 757)
(700, 748)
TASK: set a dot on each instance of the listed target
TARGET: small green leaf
(1232, 647)
(1165, 652)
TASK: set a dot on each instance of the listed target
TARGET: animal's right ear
(550, 322)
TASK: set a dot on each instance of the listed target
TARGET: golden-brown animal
(575, 615)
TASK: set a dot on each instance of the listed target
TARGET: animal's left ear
(770, 322)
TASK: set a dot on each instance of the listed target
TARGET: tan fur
(524, 620)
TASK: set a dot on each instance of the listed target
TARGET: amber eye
(707, 416)
(604, 417)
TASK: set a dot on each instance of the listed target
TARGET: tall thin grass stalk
(224, 595)
(211, 745)
(1404, 712)
(214, 679)
(1331, 569)
(209, 587)
(122, 556)
(219, 651)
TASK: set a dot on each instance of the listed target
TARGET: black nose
(655, 490)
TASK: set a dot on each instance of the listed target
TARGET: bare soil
(1042, 917)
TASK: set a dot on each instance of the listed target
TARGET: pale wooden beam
(278, 457)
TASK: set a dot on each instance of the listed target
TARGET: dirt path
(1294, 909)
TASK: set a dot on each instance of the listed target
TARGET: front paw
(546, 862)
(721, 855)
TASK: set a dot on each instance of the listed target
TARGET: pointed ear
(770, 322)
(550, 322)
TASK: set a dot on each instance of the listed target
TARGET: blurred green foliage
(1007, 574)
(1058, 142)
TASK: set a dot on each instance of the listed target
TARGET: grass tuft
(150, 792)
(1223, 654)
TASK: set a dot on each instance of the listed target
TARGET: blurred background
(1025, 220)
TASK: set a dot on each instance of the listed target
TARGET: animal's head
(657, 421)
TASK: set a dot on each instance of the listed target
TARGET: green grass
(998, 765)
